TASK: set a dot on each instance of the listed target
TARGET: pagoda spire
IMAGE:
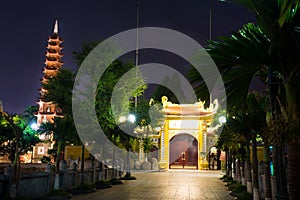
(55, 30)
(47, 110)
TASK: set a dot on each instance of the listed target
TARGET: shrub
(85, 186)
(128, 177)
(236, 187)
(224, 176)
(245, 196)
(115, 181)
(102, 184)
(58, 192)
(227, 179)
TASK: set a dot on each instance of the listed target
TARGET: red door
(183, 151)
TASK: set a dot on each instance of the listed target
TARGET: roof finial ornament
(56, 27)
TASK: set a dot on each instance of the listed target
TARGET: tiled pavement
(172, 184)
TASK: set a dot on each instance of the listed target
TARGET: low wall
(37, 184)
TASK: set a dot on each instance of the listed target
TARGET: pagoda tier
(54, 55)
(47, 110)
(196, 109)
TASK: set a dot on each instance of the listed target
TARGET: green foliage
(85, 186)
(60, 90)
(62, 129)
(236, 187)
(106, 86)
(244, 196)
(148, 115)
(45, 159)
(224, 176)
(86, 49)
(227, 179)
(269, 50)
(243, 122)
(102, 184)
(16, 133)
(220, 113)
(142, 112)
(126, 139)
(110, 82)
(128, 177)
(29, 113)
(115, 181)
(147, 144)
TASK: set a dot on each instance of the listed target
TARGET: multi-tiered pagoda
(47, 110)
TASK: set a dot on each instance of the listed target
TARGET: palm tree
(241, 129)
(239, 125)
(269, 50)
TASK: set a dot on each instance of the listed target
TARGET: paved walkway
(173, 184)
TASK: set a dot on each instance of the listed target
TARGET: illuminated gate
(183, 136)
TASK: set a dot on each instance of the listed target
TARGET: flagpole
(137, 45)
(210, 19)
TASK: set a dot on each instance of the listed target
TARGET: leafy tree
(29, 113)
(106, 86)
(16, 138)
(112, 87)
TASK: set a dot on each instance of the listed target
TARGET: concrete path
(172, 184)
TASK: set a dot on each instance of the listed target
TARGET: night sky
(26, 25)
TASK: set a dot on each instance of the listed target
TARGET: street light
(222, 119)
(122, 120)
(34, 126)
(131, 118)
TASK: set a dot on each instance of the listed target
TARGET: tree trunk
(293, 170)
(238, 171)
(243, 175)
(280, 172)
(59, 151)
(14, 180)
(233, 164)
(113, 158)
(128, 174)
(255, 183)
(226, 162)
(293, 146)
(248, 175)
(82, 166)
(267, 173)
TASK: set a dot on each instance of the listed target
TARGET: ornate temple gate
(183, 136)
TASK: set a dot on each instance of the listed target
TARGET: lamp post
(131, 119)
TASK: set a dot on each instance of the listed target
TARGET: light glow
(34, 126)
(131, 118)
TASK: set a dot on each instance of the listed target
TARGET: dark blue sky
(26, 25)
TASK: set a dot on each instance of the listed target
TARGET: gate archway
(183, 152)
